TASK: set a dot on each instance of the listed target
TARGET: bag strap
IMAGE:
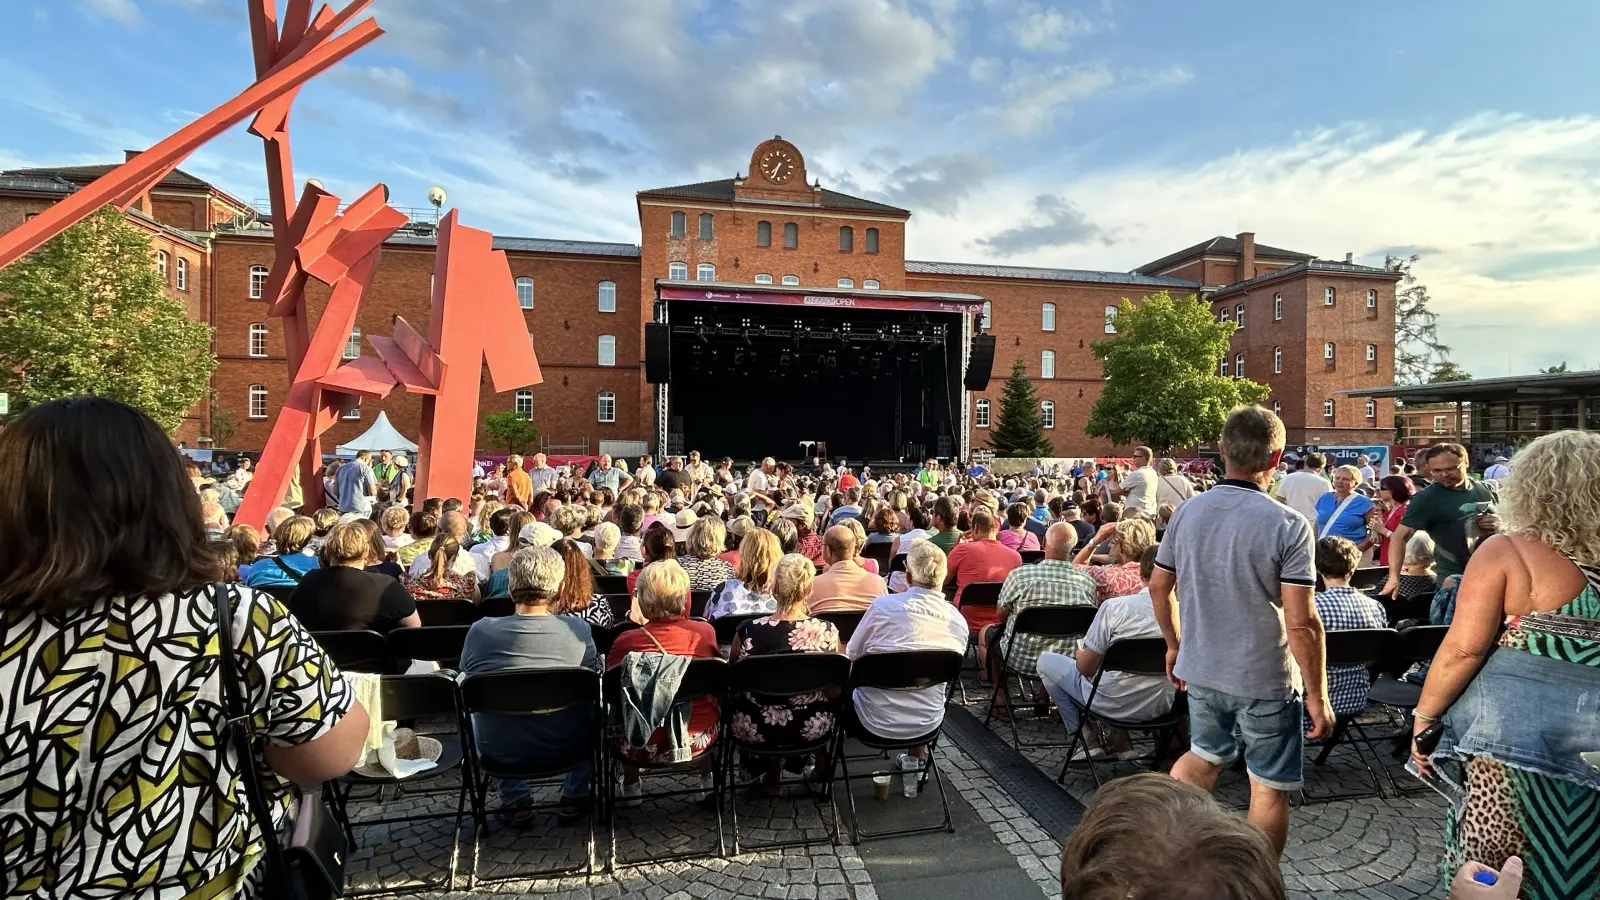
(1337, 512)
(243, 738)
(294, 575)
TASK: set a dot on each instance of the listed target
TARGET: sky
(1094, 134)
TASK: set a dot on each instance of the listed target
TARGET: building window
(1238, 316)
(1238, 365)
(1327, 409)
(872, 240)
(353, 412)
(707, 231)
(352, 347)
(870, 284)
(1047, 317)
(1047, 411)
(608, 296)
(258, 281)
(1222, 367)
(608, 406)
(763, 234)
(1372, 409)
(680, 222)
(791, 235)
(847, 239)
(258, 401)
(525, 404)
(258, 339)
(1277, 360)
(1227, 314)
(183, 274)
(608, 349)
(791, 280)
(525, 292)
(847, 283)
(1277, 408)
(161, 264)
(1047, 364)
(981, 417)
(678, 271)
(983, 318)
(1328, 296)
(1277, 307)
(763, 279)
(1372, 353)
(705, 272)
(1327, 350)
(1111, 320)
(1372, 299)
(1441, 424)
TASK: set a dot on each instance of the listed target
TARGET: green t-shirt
(945, 540)
(1443, 513)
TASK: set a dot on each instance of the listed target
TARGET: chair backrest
(1418, 643)
(1030, 556)
(454, 611)
(706, 676)
(495, 607)
(879, 551)
(846, 620)
(981, 593)
(789, 674)
(1054, 621)
(728, 626)
(1358, 646)
(897, 564)
(1136, 656)
(358, 651)
(529, 692)
(1414, 608)
(418, 696)
(279, 592)
(605, 637)
(621, 605)
(906, 670)
(611, 584)
(1369, 578)
(439, 643)
(698, 600)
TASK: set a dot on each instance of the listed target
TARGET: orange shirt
(975, 561)
(519, 488)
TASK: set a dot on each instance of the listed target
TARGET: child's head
(1419, 553)
(1337, 559)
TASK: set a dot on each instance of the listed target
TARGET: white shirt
(1497, 472)
(758, 482)
(1172, 490)
(465, 562)
(645, 475)
(1140, 485)
(1124, 696)
(918, 619)
(1368, 473)
(1300, 490)
(484, 552)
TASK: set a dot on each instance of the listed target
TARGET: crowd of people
(1225, 569)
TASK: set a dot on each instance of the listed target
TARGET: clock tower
(777, 172)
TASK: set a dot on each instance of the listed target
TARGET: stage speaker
(979, 363)
(658, 353)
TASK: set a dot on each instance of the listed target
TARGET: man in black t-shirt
(674, 477)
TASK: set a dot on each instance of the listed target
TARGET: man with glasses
(1454, 509)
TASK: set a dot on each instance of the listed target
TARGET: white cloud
(1034, 98)
(1049, 29)
(123, 11)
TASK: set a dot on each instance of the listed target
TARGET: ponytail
(441, 556)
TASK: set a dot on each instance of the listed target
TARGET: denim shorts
(1268, 729)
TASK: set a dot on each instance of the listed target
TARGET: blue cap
(1485, 877)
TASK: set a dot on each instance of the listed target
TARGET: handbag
(309, 865)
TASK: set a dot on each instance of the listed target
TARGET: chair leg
(1341, 724)
(1072, 747)
(849, 795)
(931, 771)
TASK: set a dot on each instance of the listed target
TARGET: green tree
(1418, 352)
(87, 313)
(1019, 430)
(1162, 387)
(224, 425)
(1446, 372)
(511, 428)
(1555, 370)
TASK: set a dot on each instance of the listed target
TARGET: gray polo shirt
(1232, 548)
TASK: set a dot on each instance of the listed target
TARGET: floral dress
(454, 584)
(801, 719)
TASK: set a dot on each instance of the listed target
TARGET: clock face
(778, 165)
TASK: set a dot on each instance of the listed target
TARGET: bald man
(844, 584)
(1052, 581)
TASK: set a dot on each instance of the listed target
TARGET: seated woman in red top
(1128, 538)
(660, 605)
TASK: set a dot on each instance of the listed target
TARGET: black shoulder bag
(310, 866)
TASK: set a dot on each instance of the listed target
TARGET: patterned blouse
(734, 599)
(111, 719)
(454, 584)
(1117, 580)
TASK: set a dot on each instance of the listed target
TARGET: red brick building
(1310, 327)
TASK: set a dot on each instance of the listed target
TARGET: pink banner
(908, 304)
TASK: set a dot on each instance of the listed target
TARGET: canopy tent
(381, 436)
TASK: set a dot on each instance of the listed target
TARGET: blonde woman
(707, 571)
(1128, 540)
(750, 590)
(291, 562)
(1344, 513)
(393, 528)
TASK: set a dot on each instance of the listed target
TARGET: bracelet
(1424, 717)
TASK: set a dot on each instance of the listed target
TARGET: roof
(723, 190)
(917, 267)
(381, 436)
(695, 285)
(1523, 387)
(177, 178)
(423, 235)
(1312, 266)
(1218, 244)
(55, 184)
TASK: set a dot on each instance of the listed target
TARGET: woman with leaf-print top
(111, 714)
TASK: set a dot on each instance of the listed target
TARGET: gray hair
(925, 565)
(706, 537)
(1419, 550)
(1251, 437)
(569, 520)
(606, 537)
(1168, 467)
(537, 571)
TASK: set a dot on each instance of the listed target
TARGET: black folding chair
(621, 605)
(782, 676)
(900, 670)
(1130, 656)
(896, 564)
(1370, 578)
(706, 677)
(605, 637)
(529, 694)
(1410, 646)
(727, 627)
(412, 697)
(611, 584)
(879, 551)
(1046, 622)
(355, 651)
(698, 601)
(1030, 556)
(1364, 647)
(496, 607)
(846, 620)
(436, 643)
(454, 611)
(279, 592)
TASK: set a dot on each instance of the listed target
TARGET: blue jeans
(1269, 730)
(537, 741)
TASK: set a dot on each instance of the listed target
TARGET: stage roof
(1481, 390)
(872, 293)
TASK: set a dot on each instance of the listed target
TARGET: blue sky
(1093, 134)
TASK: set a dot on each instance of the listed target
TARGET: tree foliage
(1418, 352)
(511, 428)
(87, 313)
(1019, 430)
(1446, 372)
(224, 425)
(1555, 370)
(1162, 387)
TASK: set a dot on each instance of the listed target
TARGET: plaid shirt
(1343, 608)
(1048, 582)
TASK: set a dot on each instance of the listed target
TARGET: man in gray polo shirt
(1242, 566)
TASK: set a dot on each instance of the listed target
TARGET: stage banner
(908, 304)
(1378, 454)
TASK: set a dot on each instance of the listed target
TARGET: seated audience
(325, 518)
(577, 596)
(278, 516)
(982, 559)
(424, 526)
(859, 532)
(483, 525)
(1016, 535)
(807, 542)
(738, 526)
(292, 560)
(844, 584)
(920, 523)
(393, 526)
(341, 595)
(1127, 539)
(536, 637)
(1341, 608)
(749, 591)
(1052, 581)
(378, 560)
(1418, 581)
(885, 526)
(499, 539)
(657, 546)
(442, 579)
(245, 542)
(499, 581)
(630, 518)
(702, 562)
(606, 537)
(452, 525)
(787, 534)
(569, 522)
(946, 525)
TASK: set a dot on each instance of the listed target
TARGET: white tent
(381, 436)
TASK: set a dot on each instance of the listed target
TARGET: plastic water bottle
(910, 766)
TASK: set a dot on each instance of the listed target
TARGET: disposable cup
(880, 786)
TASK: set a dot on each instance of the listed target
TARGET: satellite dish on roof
(312, 182)
(436, 196)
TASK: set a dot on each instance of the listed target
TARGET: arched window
(1277, 408)
(525, 292)
(1047, 412)
(258, 401)
(678, 271)
(608, 349)
(1047, 364)
(524, 403)
(1372, 301)
(983, 318)
(1327, 350)
(258, 339)
(791, 235)
(608, 296)
(1372, 353)
(763, 279)
(1048, 317)
(1329, 295)
(847, 239)
(980, 418)
(608, 407)
(705, 272)
(791, 279)
(1327, 409)
(872, 240)
(707, 228)
(258, 281)
(1111, 320)
(1238, 316)
(846, 283)
(1277, 360)
(1238, 366)
(871, 284)
(161, 264)
(1372, 409)
(763, 234)
(1277, 307)
(183, 274)
(680, 224)
(352, 347)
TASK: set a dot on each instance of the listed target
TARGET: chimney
(1349, 258)
(1247, 255)
(130, 154)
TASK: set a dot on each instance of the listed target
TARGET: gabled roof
(916, 267)
(177, 178)
(1315, 266)
(418, 236)
(723, 190)
(1218, 244)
